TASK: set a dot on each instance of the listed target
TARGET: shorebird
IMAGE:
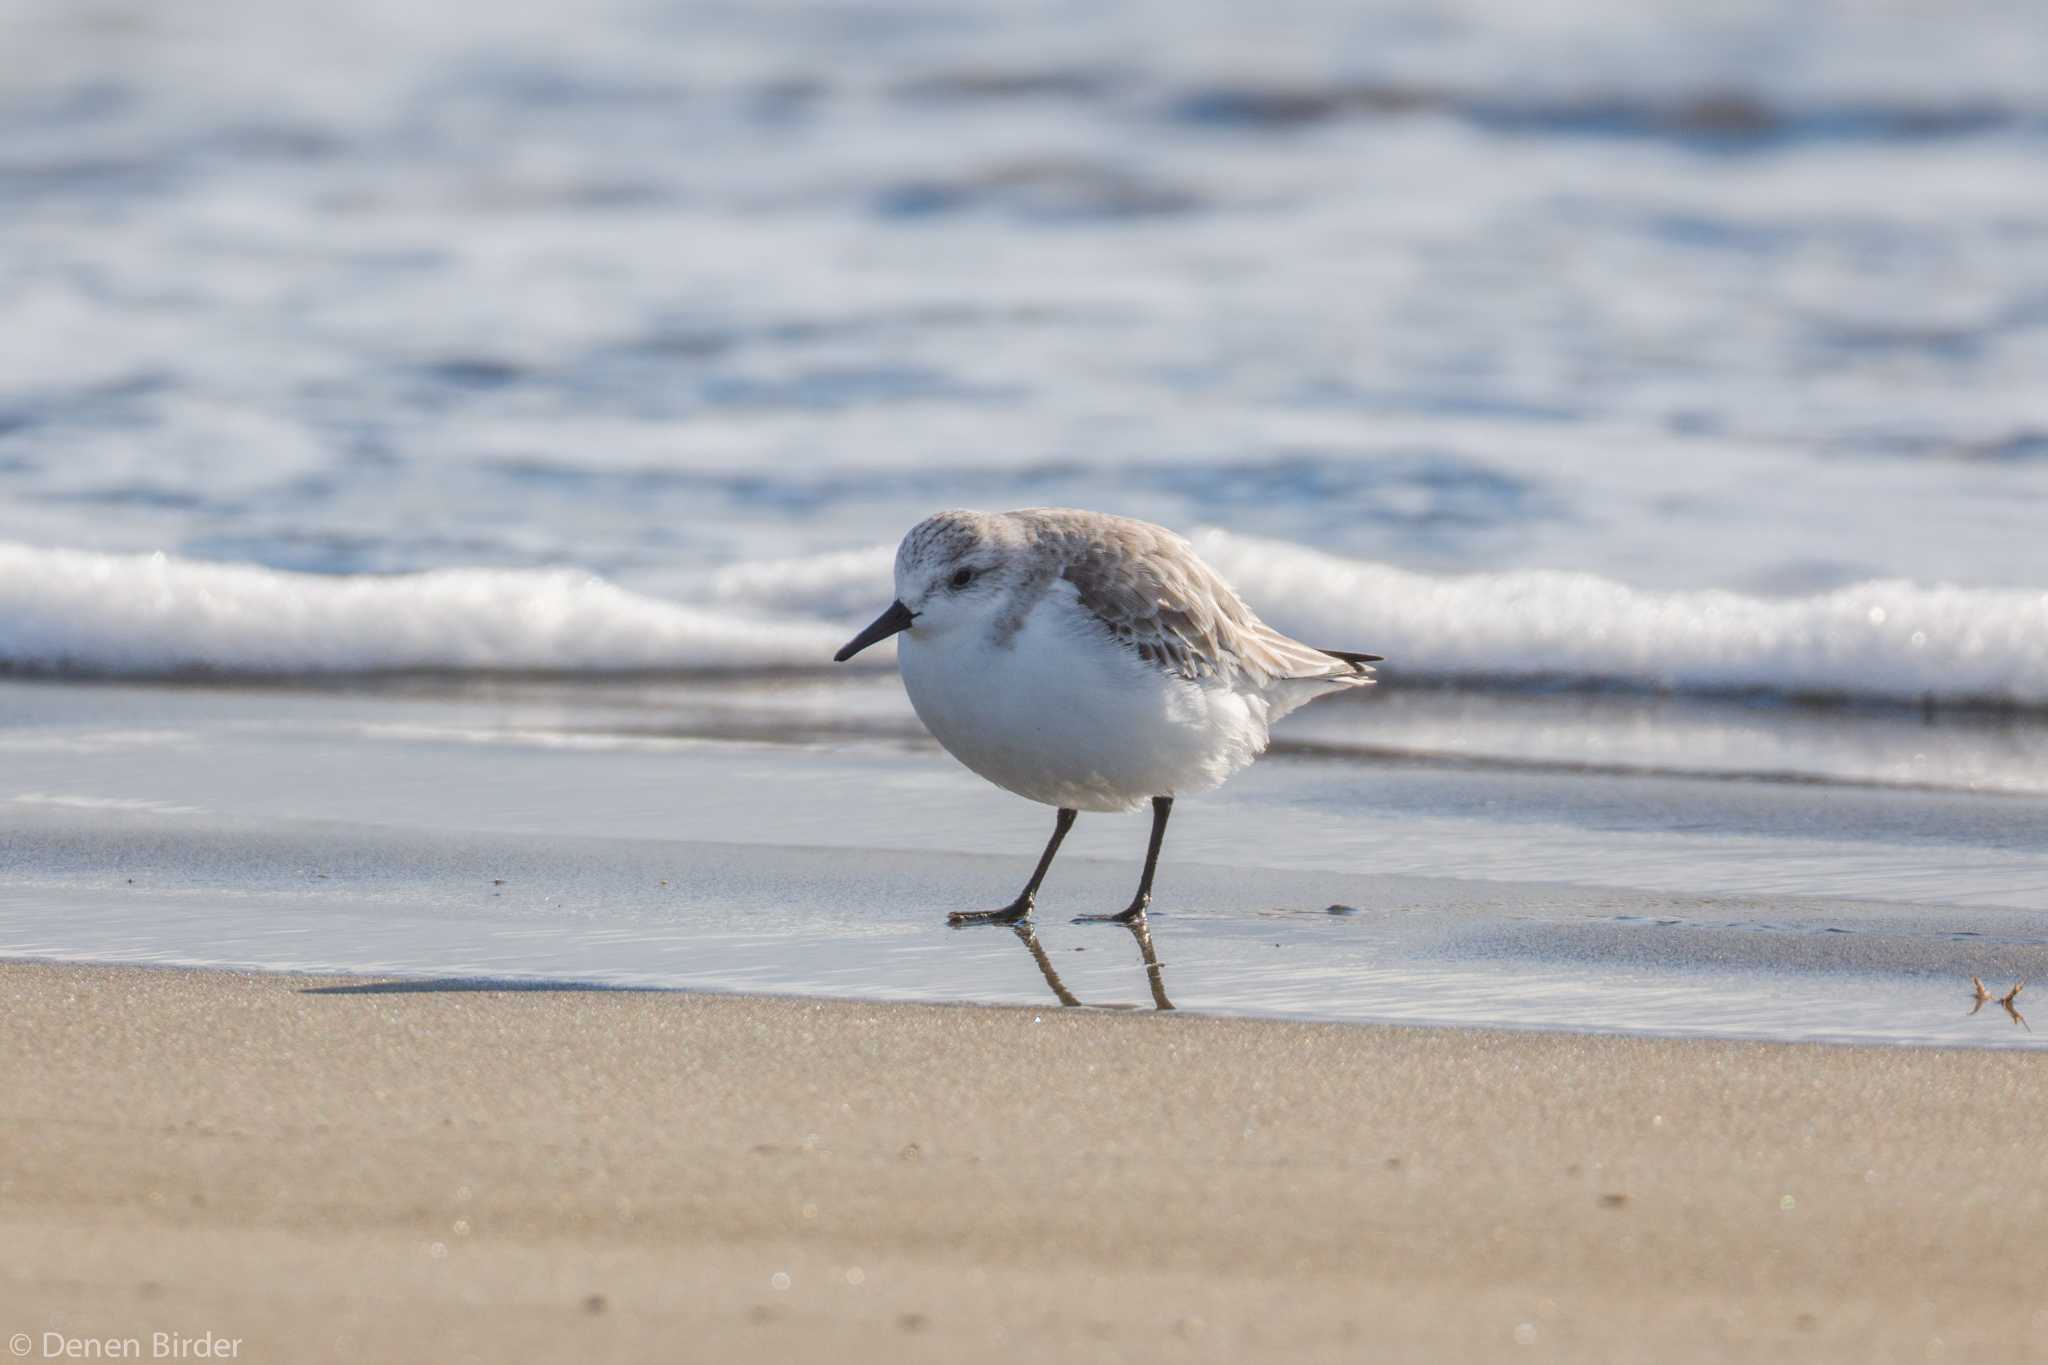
(1089, 662)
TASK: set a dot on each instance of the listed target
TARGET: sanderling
(1089, 662)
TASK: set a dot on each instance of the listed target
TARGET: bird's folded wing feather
(1153, 594)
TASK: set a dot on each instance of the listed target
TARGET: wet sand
(334, 1169)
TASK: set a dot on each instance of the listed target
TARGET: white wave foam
(1887, 640)
(1884, 640)
(72, 611)
(848, 584)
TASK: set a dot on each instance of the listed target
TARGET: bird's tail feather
(1358, 661)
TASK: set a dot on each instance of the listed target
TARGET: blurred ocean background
(1633, 376)
(1675, 297)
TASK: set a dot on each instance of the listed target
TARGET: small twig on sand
(1981, 996)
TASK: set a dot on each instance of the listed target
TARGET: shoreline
(126, 880)
(1060, 999)
(341, 1168)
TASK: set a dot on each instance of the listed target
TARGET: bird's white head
(953, 569)
(953, 566)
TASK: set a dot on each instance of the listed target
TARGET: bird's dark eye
(962, 578)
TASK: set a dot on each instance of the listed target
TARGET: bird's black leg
(1020, 908)
(1162, 806)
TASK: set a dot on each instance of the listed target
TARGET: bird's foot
(1134, 913)
(1016, 912)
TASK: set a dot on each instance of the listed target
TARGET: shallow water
(650, 838)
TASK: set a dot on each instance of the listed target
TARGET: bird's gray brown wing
(1154, 595)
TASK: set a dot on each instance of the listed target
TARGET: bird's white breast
(1063, 714)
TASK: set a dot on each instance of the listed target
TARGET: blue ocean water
(1688, 296)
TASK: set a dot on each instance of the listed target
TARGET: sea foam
(1879, 640)
(82, 613)
(1882, 640)
(67, 611)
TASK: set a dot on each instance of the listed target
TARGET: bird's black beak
(898, 617)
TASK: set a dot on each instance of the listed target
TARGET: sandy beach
(339, 1169)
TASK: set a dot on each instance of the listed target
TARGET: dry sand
(332, 1170)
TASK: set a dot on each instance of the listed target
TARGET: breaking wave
(79, 613)
(1882, 640)
(72, 612)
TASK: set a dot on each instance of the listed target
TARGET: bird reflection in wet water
(2010, 1000)
(1154, 974)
